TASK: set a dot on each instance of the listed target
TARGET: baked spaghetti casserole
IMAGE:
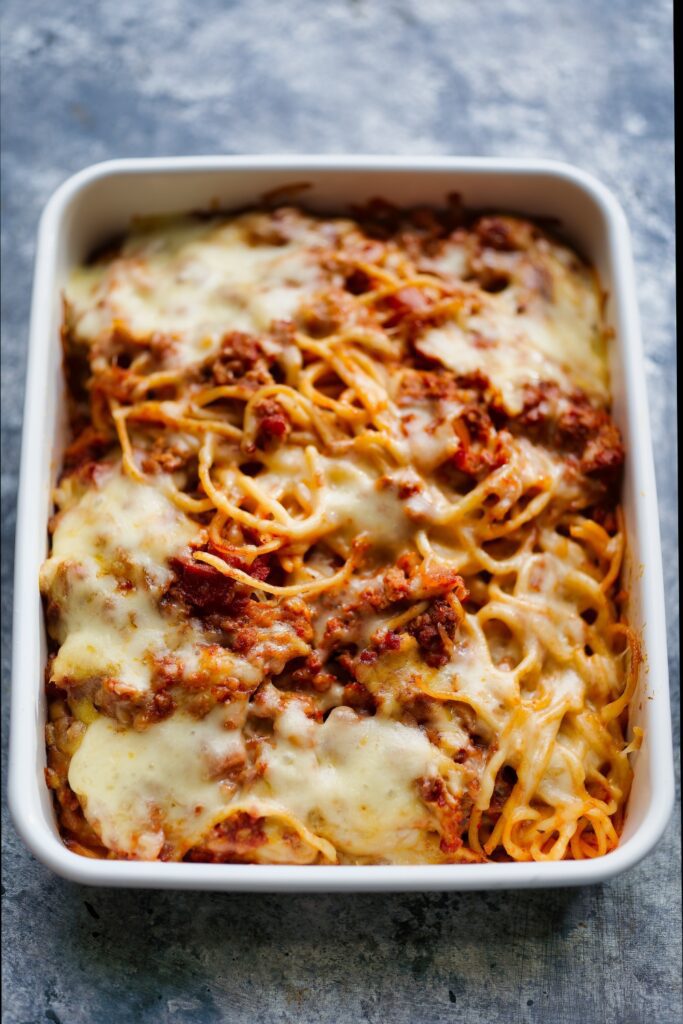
(335, 566)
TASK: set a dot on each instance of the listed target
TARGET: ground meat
(165, 458)
(449, 810)
(378, 218)
(603, 456)
(475, 462)
(478, 422)
(238, 621)
(234, 839)
(403, 583)
(202, 585)
(539, 401)
(204, 589)
(358, 697)
(573, 424)
(113, 382)
(160, 706)
(482, 447)
(576, 420)
(274, 424)
(434, 629)
(408, 580)
(421, 385)
(476, 380)
(395, 586)
(505, 234)
(506, 780)
(329, 312)
(241, 359)
(388, 641)
(420, 226)
(305, 673)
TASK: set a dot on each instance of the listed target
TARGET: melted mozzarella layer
(192, 280)
(546, 325)
(142, 790)
(107, 571)
(353, 780)
(118, 519)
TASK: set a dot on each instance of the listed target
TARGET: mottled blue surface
(583, 81)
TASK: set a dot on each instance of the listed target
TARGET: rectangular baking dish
(98, 203)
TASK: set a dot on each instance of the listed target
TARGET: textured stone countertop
(585, 82)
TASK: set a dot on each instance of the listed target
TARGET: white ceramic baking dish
(98, 203)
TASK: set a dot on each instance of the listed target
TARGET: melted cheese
(194, 280)
(353, 780)
(142, 790)
(118, 519)
(431, 441)
(468, 674)
(357, 499)
(528, 333)
(107, 571)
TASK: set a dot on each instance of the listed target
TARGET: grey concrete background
(588, 82)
